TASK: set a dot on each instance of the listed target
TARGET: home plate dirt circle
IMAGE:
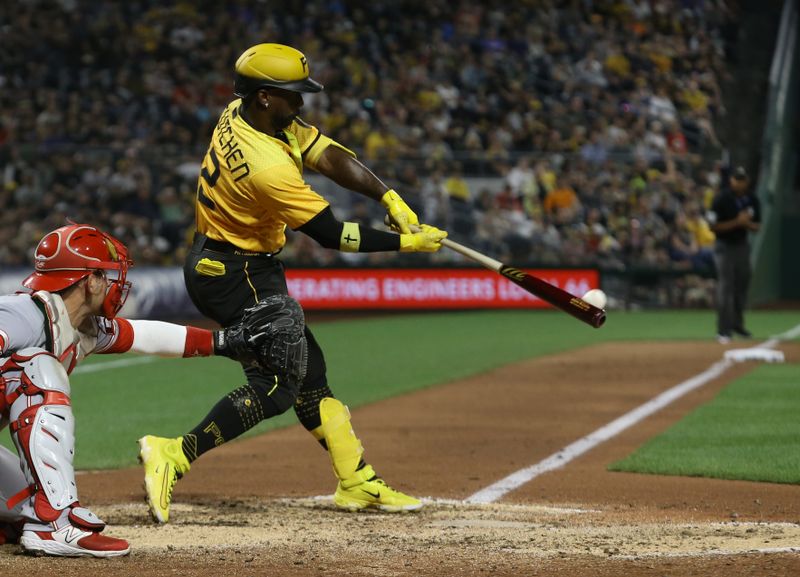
(492, 532)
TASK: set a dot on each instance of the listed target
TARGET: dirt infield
(262, 506)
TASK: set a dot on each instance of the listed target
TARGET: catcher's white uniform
(38, 349)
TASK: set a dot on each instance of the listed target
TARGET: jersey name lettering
(229, 148)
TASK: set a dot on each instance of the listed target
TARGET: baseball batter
(78, 286)
(250, 189)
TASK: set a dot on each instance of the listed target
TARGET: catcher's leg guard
(42, 427)
(344, 448)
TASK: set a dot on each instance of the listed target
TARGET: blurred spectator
(684, 250)
(676, 140)
(456, 186)
(435, 200)
(698, 226)
(660, 106)
(461, 220)
(522, 179)
(561, 203)
(381, 144)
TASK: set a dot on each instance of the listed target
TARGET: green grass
(368, 360)
(750, 431)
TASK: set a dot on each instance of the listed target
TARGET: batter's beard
(285, 121)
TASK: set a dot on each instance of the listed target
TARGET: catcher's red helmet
(73, 252)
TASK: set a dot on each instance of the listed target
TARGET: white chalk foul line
(497, 490)
(515, 480)
(792, 333)
(108, 365)
(456, 503)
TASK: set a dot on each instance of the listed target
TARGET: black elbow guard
(324, 228)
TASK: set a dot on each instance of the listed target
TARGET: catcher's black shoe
(743, 332)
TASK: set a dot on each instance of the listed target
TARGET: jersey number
(210, 178)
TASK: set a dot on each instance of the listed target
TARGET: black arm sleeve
(327, 231)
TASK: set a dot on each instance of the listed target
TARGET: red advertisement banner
(425, 288)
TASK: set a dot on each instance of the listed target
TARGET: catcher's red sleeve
(159, 338)
(199, 343)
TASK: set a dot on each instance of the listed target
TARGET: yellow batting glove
(427, 239)
(400, 215)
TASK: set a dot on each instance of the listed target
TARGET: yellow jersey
(251, 184)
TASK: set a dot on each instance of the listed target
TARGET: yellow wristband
(350, 241)
(406, 243)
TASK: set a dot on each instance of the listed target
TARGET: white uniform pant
(12, 481)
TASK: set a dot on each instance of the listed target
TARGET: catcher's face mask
(73, 252)
(116, 292)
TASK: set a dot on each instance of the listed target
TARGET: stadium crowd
(547, 132)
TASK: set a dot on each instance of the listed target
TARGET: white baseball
(596, 297)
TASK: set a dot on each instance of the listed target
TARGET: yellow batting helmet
(277, 65)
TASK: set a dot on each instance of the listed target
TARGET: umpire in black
(735, 213)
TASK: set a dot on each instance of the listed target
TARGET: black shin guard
(240, 410)
(306, 407)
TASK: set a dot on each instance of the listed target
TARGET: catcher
(78, 286)
(250, 189)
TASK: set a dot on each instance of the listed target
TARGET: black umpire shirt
(727, 206)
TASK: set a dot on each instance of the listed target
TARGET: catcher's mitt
(270, 337)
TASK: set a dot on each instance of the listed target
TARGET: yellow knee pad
(344, 447)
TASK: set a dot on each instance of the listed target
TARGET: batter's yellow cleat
(366, 490)
(164, 463)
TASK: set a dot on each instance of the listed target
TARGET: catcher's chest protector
(68, 344)
(64, 337)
